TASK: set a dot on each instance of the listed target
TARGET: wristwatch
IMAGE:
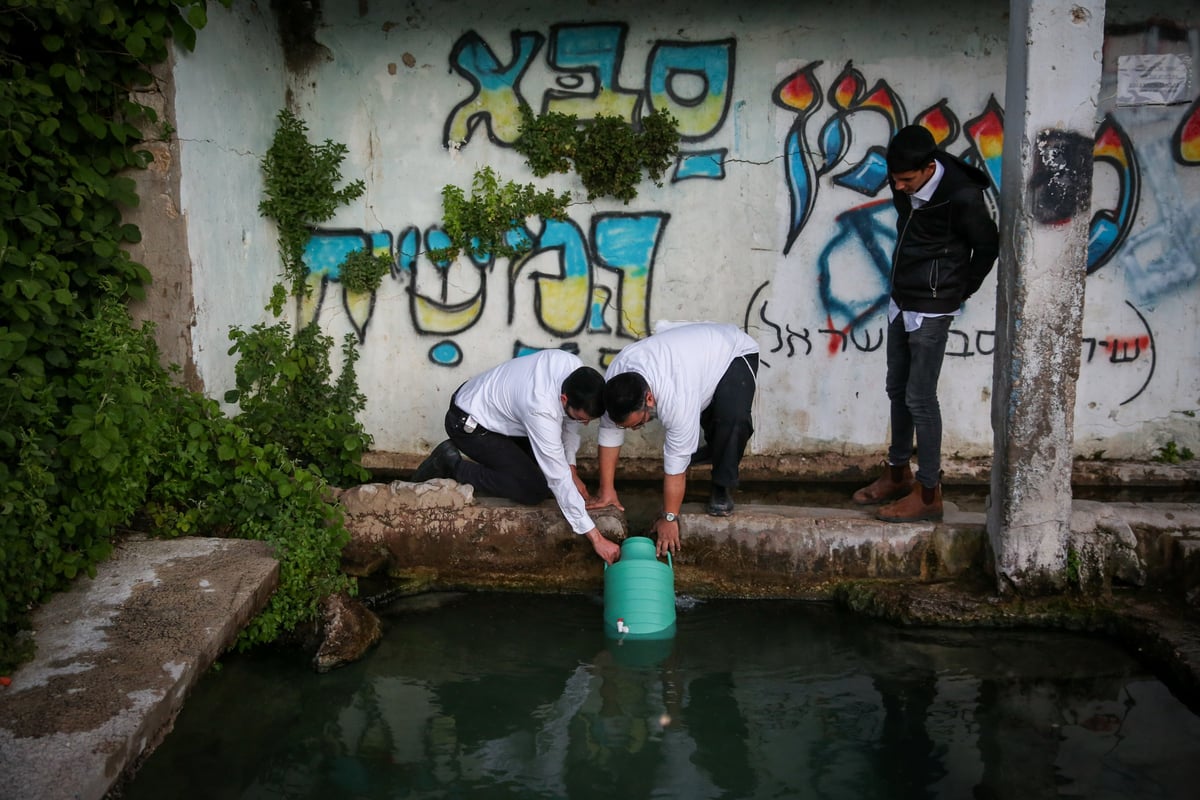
(669, 517)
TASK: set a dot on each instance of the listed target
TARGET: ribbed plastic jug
(639, 593)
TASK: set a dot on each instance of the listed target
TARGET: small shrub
(216, 478)
(300, 180)
(1172, 453)
(286, 396)
(362, 271)
(489, 222)
(609, 155)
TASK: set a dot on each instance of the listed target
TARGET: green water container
(639, 593)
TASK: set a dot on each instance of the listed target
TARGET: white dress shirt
(682, 365)
(523, 397)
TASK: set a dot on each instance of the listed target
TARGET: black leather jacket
(946, 247)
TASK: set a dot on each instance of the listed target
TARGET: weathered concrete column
(1054, 65)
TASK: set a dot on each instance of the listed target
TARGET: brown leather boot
(894, 482)
(921, 504)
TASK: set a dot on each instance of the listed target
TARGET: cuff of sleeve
(610, 437)
(675, 465)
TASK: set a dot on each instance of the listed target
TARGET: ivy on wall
(610, 156)
(95, 435)
(300, 189)
(77, 423)
(483, 224)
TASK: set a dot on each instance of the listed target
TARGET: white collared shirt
(925, 193)
(682, 364)
(523, 397)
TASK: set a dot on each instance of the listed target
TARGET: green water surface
(517, 696)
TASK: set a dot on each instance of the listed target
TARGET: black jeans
(914, 363)
(728, 421)
(502, 466)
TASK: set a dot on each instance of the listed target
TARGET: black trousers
(728, 421)
(502, 466)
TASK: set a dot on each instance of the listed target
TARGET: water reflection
(512, 696)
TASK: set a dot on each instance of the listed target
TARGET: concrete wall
(776, 216)
(227, 95)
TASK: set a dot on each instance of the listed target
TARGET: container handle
(670, 562)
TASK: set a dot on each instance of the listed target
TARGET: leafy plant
(300, 187)
(609, 155)
(286, 396)
(362, 271)
(95, 436)
(215, 478)
(78, 419)
(548, 142)
(1074, 568)
(491, 221)
(1172, 453)
(607, 159)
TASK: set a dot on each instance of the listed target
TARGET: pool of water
(515, 696)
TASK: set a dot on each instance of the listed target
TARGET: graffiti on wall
(1060, 185)
(596, 282)
(785, 340)
(853, 256)
(562, 263)
(853, 261)
(809, 156)
(693, 81)
(596, 277)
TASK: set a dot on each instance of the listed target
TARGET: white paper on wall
(1153, 79)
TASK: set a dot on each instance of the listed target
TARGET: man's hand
(607, 550)
(667, 535)
(605, 497)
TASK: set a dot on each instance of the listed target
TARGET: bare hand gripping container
(639, 593)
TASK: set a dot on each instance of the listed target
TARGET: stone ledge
(117, 655)
(761, 551)
(783, 551)
(479, 543)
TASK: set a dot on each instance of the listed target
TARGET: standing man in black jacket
(946, 246)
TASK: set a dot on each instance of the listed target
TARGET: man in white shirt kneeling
(519, 423)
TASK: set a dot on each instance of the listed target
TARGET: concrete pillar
(1054, 65)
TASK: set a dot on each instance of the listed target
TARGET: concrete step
(437, 535)
(116, 656)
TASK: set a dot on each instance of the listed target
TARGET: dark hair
(584, 389)
(625, 394)
(911, 148)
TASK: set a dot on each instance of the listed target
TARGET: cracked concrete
(116, 657)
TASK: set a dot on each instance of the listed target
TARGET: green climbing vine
(488, 222)
(96, 436)
(300, 180)
(80, 418)
(610, 156)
